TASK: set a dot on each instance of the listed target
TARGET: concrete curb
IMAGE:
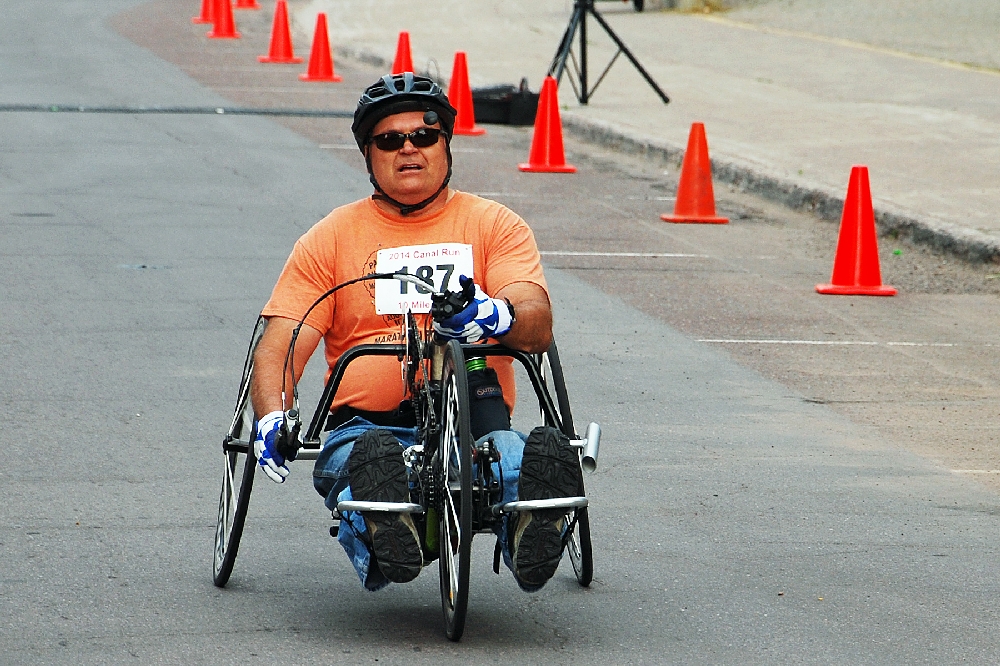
(968, 244)
(364, 56)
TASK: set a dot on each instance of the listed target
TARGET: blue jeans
(331, 480)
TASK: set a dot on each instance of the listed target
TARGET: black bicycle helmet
(399, 93)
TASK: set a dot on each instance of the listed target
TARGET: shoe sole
(539, 546)
(550, 468)
(378, 474)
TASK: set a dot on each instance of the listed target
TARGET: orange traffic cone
(546, 143)
(281, 38)
(247, 4)
(460, 95)
(855, 268)
(320, 60)
(207, 12)
(404, 59)
(225, 24)
(695, 199)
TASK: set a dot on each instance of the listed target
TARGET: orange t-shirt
(343, 245)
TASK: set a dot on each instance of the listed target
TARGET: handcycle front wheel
(238, 472)
(454, 458)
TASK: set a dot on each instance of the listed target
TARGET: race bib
(441, 264)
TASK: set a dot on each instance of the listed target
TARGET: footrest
(388, 507)
(541, 505)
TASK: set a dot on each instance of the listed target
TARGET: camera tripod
(578, 21)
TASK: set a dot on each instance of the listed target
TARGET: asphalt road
(735, 519)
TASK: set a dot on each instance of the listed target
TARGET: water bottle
(487, 410)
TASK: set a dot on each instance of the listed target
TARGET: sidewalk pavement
(787, 112)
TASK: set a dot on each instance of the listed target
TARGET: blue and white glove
(266, 447)
(484, 317)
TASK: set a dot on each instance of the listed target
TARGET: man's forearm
(532, 328)
(269, 371)
(265, 386)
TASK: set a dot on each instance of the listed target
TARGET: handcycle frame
(452, 498)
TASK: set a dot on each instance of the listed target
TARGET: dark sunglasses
(421, 138)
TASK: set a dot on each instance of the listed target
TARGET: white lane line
(863, 343)
(559, 253)
(920, 344)
(976, 471)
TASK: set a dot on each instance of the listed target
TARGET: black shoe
(378, 474)
(550, 468)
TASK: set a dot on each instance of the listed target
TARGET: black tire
(639, 5)
(455, 469)
(234, 500)
(579, 548)
(554, 376)
(237, 478)
(580, 551)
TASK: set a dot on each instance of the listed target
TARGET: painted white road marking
(560, 253)
(864, 343)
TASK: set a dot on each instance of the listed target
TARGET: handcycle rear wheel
(237, 482)
(581, 554)
(237, 478)
(455, 470)
(552, 374)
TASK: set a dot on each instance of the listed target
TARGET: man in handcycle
(414, 223)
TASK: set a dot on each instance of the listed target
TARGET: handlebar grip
(450, 303)
(288, 443)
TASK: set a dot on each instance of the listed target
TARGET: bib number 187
(438, 264)
(427, 274)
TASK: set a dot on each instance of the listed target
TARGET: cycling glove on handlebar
(483, 318)
(266, 447)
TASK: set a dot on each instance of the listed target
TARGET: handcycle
(454, 492)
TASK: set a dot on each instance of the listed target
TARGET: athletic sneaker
(378, 474)
(550, 468)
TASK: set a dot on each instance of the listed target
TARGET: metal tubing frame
(545, 504)
(389, 507)
(333, 383)
(311, 439)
